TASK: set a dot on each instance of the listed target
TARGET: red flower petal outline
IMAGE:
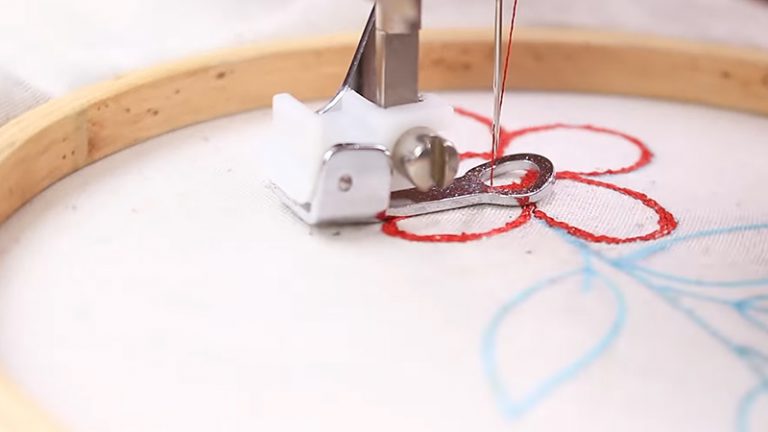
(667, 222)
(392, 228)
(508, 137)
(526, 180)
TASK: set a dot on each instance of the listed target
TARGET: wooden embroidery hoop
(64, 135)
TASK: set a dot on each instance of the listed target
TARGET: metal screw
(426, 159)
(345, 183)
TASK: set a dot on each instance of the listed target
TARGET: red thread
(509, 52)
(645, 157)
(508, 137)
(666, 221)
(391, 228)
(504, 81)
(528, 179)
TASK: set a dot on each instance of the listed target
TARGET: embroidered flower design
(665, 221)
(715, 297)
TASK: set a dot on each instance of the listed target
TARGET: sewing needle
(497, 85)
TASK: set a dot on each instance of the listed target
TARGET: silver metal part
(473, 189)
(385, 68)
(391, 78)
(354, 180)
(355, 78)
(353, 186)
(398, 16)
(426, 159)
(497, 75)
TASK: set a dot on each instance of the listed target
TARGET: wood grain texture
(64, 135)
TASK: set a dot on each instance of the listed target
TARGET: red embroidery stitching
(392, 228)
(666, 221)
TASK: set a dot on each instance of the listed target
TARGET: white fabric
(166, 288)
(17, 97)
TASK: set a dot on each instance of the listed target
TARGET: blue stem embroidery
(674, 290)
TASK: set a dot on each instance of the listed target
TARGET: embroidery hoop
(52, 141)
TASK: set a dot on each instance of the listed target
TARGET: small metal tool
(473, 189)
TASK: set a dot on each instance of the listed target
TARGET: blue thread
(702, 283)
(516, 408)
(746, 310)
(697, 296)
(489, 343)
(746, 354)
(749, 308)
(667, 243)
(743, 306)
(747, 404)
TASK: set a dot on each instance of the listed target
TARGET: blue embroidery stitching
(749, 308)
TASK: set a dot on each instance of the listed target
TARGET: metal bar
(497, 75)
(393, 73)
